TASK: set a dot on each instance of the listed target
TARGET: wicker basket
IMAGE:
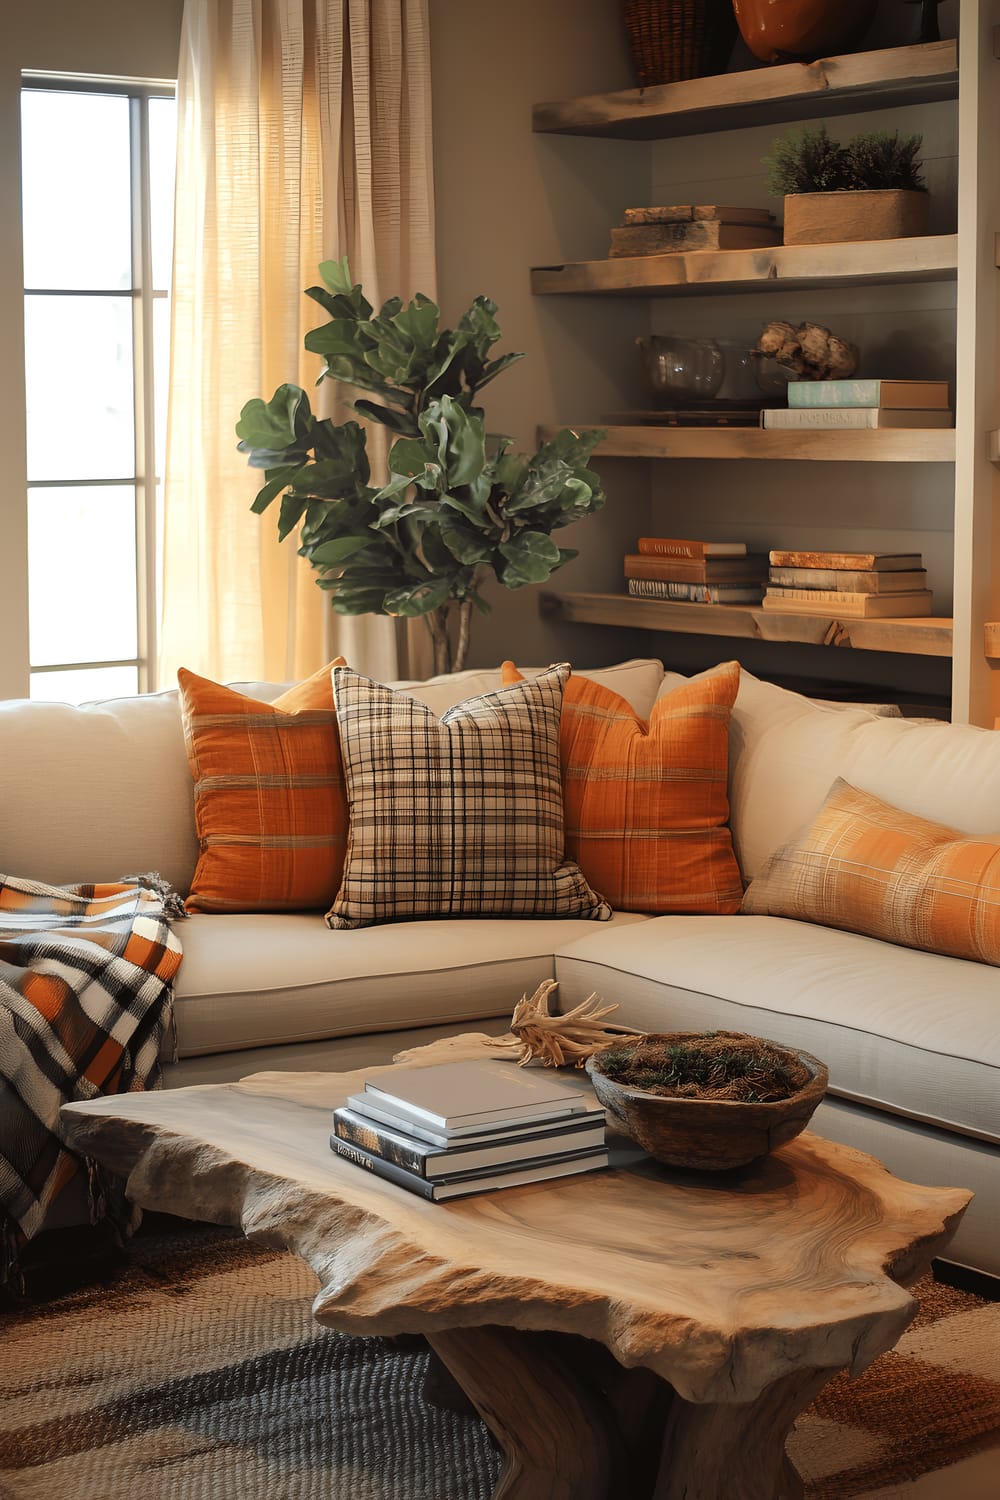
(675, 39)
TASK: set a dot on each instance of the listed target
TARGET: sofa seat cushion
(915, 1033)
(251, 980)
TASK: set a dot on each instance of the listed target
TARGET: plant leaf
(465, 543)
(531, 557)
(419, 599)
(401, 422)
(292, 510)
(333, 554)
(273, 424)
(278, 479)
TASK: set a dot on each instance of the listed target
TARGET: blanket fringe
(11, 1244)
(151, 880)
(107, 1201)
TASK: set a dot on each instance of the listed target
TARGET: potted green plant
(870, 189)
(459, 506)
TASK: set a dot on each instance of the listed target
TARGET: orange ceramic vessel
(783, 30)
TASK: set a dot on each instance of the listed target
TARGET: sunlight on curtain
(304, 134)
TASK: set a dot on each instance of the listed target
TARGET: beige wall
(507, 200)
(124, 38)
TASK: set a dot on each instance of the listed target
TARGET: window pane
(161, 376)
(84, 686)
(162, 160)
(78, 371)
(81, 574)
(77, 192)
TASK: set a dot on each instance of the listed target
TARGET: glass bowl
(681, 371)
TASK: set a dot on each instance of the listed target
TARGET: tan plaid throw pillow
(457, 816)
(869, 867)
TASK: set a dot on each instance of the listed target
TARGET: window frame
(143, 295)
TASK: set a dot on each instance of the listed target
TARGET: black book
(461, 1184)
(466, 1154)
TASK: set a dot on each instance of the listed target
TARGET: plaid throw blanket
(86, 986)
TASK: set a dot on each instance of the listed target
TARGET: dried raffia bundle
(559, 1041)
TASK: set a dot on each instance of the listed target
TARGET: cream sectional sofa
(912, 1039)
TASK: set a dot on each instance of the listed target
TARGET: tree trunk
(451, 646)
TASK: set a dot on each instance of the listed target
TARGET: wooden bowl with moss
(710, 1100)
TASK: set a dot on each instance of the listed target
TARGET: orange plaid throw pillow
(269, 800)
(646, 805)
(869, 867)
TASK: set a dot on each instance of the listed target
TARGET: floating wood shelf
(886, 79)
(921, 636)
(893, 445)
(777, 268)
(991, 640)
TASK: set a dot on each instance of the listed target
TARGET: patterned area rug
(196, 1373)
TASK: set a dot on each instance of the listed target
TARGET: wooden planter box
(830, 218)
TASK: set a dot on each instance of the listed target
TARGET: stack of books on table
(853, 404)
(863, 585)
(695, 572)
(456, 1128)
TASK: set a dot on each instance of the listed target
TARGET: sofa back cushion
(97, 792)
(786, 752)
(637, 681)
(270, 805)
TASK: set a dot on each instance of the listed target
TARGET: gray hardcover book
(462, 1097)
(368, 1108)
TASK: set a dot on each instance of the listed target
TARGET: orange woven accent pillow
(869, 867)
(646, 804)
(269, 800)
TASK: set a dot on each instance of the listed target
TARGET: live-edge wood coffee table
(638, 1333)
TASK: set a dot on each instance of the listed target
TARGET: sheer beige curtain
(304, 135)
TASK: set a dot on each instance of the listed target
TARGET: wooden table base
(636, 1334)
(573, 1424)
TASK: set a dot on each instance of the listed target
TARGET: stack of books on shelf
(678, 227)
(456, 1128)
(833, 405)
(862, 585)
(695, 572)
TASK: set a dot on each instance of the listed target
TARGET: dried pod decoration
(808, 351)
(726, 1065)
(559, 1041)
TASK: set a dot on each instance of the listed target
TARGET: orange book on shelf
(669, 546)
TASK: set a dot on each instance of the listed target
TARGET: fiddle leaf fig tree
(459, 507)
